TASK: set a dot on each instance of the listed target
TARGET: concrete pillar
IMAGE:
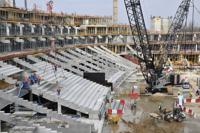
(0, 126)
(61, 29)
(32, 29)
(106, 40)
(194, 38)
(21, 29)
(95, 31)
(76, 30)
(115, 49)
(106, 30)
(7, 29)
(196, 48)
(52, 29)
(159, 37)
(68, 30)
(178, 47)
(43, 31)
(59, 108)
(118, 30)
(96, 40)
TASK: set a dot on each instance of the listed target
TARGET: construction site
(65, 72)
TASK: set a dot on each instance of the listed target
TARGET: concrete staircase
(22, 125)
(43, 110)
(24, 63)
(63, 65)
(36, 60)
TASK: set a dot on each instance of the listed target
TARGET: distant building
(160, 24)
(5, 3)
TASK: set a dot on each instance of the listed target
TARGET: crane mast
(151, 71)
(140, 37)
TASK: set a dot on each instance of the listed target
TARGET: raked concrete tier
(76, 93)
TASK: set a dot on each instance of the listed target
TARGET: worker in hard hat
(180, 100)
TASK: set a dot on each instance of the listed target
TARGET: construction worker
(58, 89)
(180, 100)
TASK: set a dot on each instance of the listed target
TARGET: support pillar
(21, 29)
(106, 40)
(32, 29)
(178, 48)
(95, 31)
(59, 108)
(68, 30)
(0, 126)
(8, 29)
(43, 27)
(196, 48)
(194, 38)
(76, 30)
(106, 30)
(61, 30)
(115, 49)
(52, 29)
(96, 40)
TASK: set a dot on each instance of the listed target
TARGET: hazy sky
(104, 7)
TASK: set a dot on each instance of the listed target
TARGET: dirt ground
(139, 120)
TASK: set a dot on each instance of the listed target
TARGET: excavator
(151, 66)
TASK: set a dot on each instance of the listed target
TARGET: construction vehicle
(152, 67)
(113, 119)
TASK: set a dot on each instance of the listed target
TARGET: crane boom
(152, 72)
(177, 23)
(138, 28)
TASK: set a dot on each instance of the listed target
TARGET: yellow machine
(114, 119)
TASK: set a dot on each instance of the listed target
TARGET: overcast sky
(104, 7)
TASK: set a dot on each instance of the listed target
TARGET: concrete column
(21, 29)
(106, 30)
(59, 108)
(106, 40)
(196, 48)
(194, 37)
(32, 29)
(43, 27)
(61, 29)
(68, 30)
(178, 47)
(115, 49)
(159, 37)
(0, 126)
(76, 30)
(52, 28)
(7, 29)
(95, 31)
(96, 40)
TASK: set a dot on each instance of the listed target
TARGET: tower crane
(150, 68)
